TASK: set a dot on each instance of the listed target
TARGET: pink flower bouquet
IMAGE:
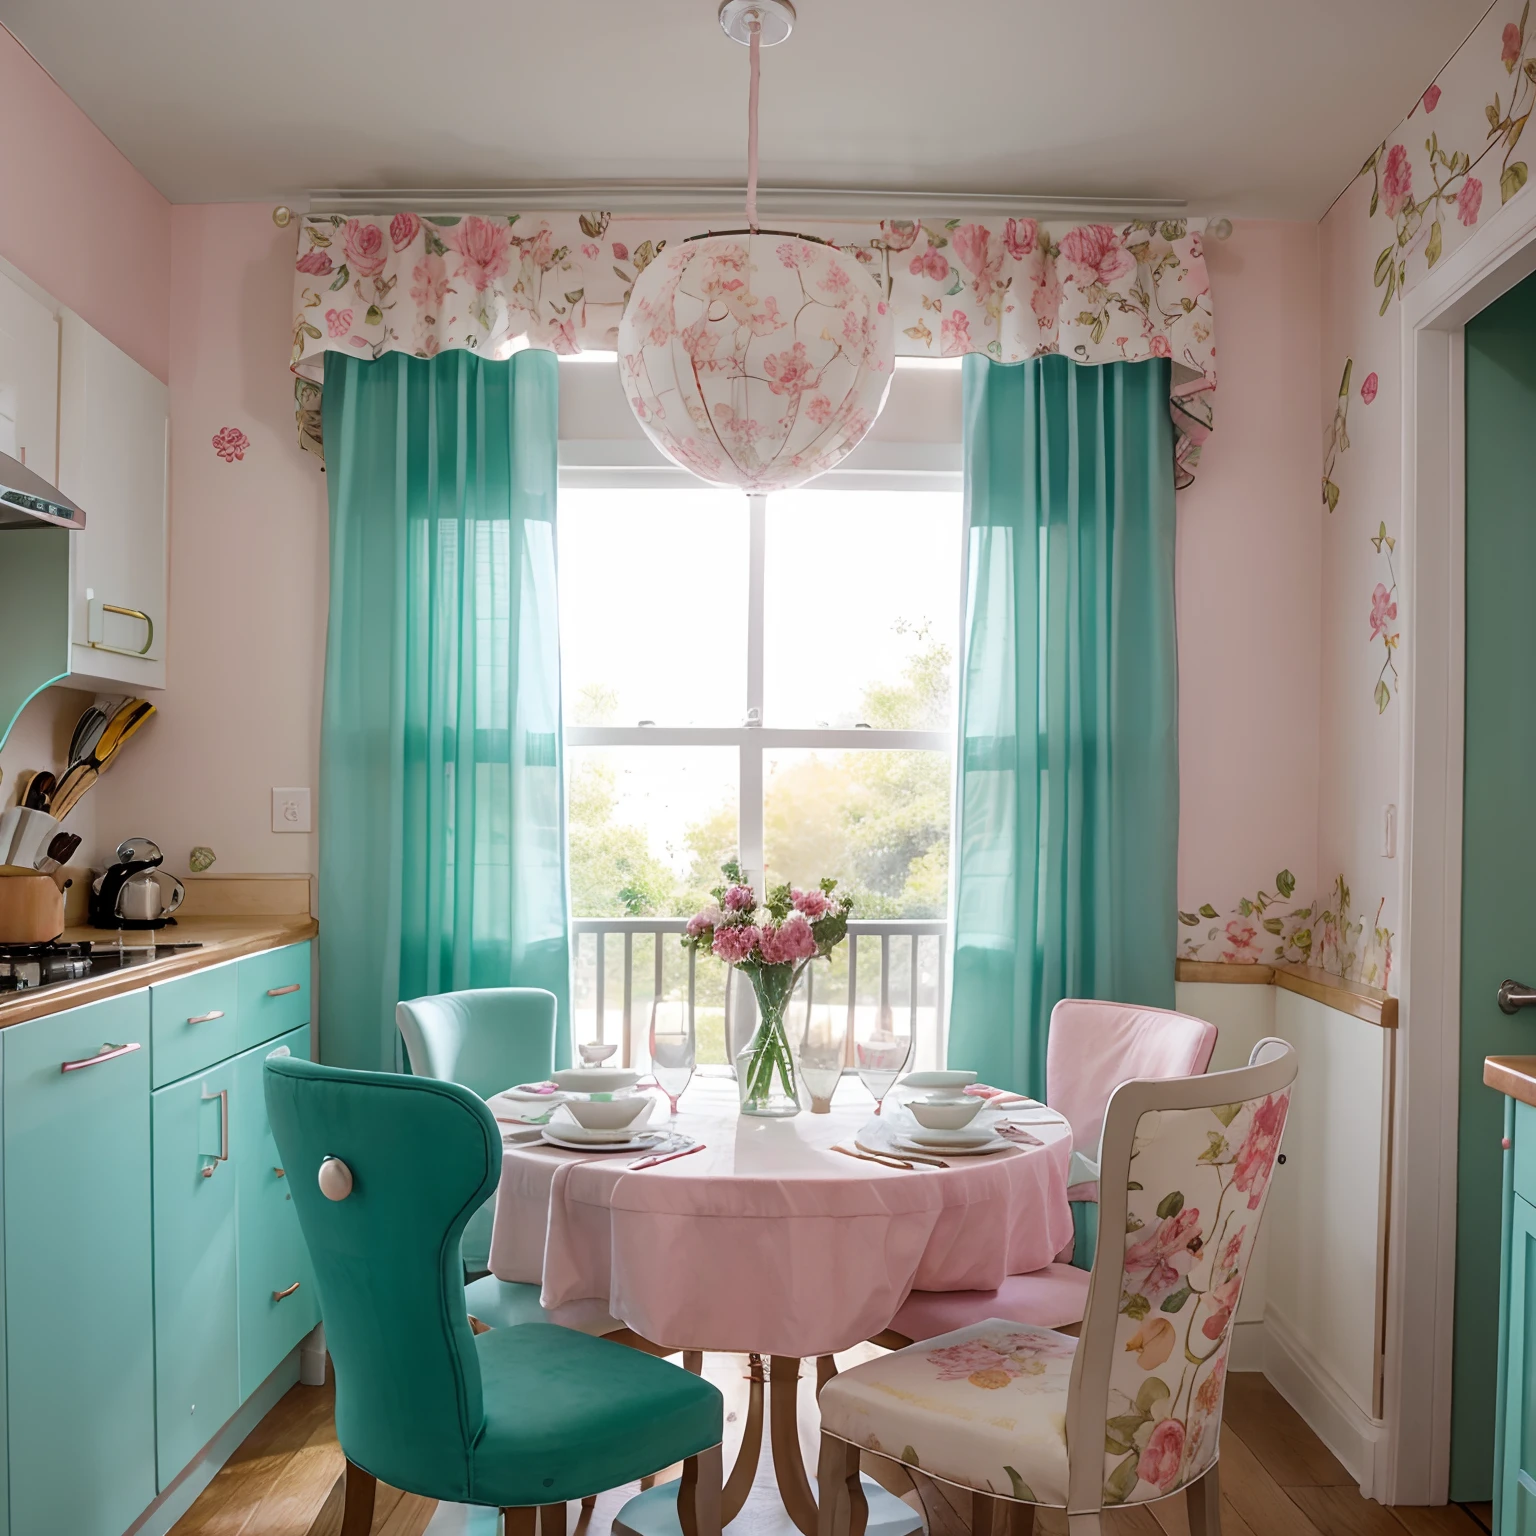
(772, 945)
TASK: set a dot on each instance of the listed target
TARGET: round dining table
(767, 1242)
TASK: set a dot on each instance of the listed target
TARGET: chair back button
(335, 1179)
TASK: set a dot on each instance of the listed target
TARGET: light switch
(290, 810)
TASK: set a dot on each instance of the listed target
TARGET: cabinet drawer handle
(207, 1018)
(223, 1157)
(279, 1295)
(293, 986)
(127, 613)
(106, 1053)
(280, 1172)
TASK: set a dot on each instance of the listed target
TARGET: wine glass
(820, 1051)
(672, 1049)
(881, 1056)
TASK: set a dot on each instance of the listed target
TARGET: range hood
(28, 501)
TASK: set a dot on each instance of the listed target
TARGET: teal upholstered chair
(488, 1039)
(385, 1170)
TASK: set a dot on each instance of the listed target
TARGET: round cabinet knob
(335, 1179)
(1506, 1143)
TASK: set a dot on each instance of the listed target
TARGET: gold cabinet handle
(279, 1295)
(106, 1053)
(223, 1157)
(207, 1018)
(127, 613)
(279, 1172)
(293, 986)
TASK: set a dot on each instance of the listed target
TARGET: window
(772, 677)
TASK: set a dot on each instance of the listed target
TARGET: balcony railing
(887, 972)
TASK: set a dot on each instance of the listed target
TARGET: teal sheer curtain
(1067, 788)
(442, 815)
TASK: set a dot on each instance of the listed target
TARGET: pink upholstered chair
(1092, 1048)
(1002, 1413)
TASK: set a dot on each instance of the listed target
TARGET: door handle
(1515, 995)
(106, 1053)
(223, 1156)
(293, 986)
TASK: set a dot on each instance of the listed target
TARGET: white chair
(1003, 1412)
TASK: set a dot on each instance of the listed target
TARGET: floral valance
(1010, 288)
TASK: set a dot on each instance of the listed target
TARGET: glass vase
(765, 1069)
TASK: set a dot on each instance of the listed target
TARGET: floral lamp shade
(756, 360)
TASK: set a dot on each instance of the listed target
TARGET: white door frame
(1422, 1246)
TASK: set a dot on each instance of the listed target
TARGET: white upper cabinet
(29, 379)
(112, 436)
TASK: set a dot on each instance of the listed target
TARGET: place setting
(946, 1114)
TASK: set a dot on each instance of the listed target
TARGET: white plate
(646, 1141)
(952, 1080)
(595, 1079)
(573, 1130)
(966, 1136)
(950, 1148)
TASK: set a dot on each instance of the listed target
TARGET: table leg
(739, 1484)
(784, 1431)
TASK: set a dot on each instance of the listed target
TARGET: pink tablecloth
(767, 1241)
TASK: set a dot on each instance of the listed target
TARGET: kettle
(135, 892)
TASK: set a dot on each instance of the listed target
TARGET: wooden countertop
(1370, 1004)
(222, 938)
(1514, 1075)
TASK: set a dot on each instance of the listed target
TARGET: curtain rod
(694, 199)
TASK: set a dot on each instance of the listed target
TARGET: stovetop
(31, 967)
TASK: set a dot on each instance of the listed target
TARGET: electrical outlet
(290, 810)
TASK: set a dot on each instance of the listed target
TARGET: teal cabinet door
(1517, 1495)
(274, 994)
(278, 1305)
(197, 1373)
(193, 1020)
(79, 1317)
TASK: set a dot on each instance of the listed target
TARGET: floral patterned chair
(1131, 1411)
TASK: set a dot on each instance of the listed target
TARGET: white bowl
(944, 1114)
(595, 1079)
(944, 1085)
(596, 1055)
(631, 1111)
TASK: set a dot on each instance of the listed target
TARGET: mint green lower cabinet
(79, 1316)
(1517, 1461)
(197, 1370)
(278, 1305)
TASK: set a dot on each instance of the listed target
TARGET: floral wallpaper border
(1011, 289)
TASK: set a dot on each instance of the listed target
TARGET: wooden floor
(1277, 1479)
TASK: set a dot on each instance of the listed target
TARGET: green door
(1498, 928)
(197, 1374)
(79, 1318)
(278, 1305)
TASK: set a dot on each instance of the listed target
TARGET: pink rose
(819, 409)
(315, 262)
(1383, 610)
(338, 321)
(955, 333)
(789, 373)
(1096, 254)
(1396, 181)
(930, 263)
(733, 945)
(740, 898)
(230, 444)
(792, 940)
(813, 903)
(363, 243)
(1368, 387)
(1159, 1262)
(403, 228)
(1432, 98)
(1020, 237)
(1160, 347)
(899, 234)
(974, 250)
(1469, 200)
(1509, 54)
(1256, 1157)
(429, 282)
(703, 922)
(1242, 937)
(1159, 1464)
(483, 247)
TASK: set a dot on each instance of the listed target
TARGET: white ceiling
(1237, 106)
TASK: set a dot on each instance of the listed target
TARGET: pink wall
(248, 565)
(1249, 577)
(78, 219)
